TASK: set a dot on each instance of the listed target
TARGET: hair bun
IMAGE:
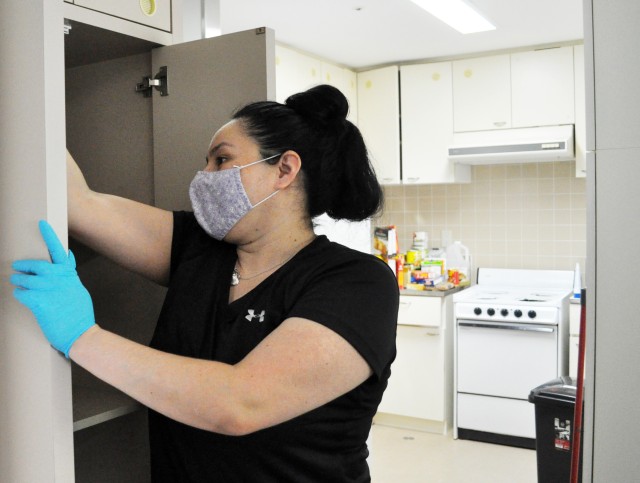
(322, 105)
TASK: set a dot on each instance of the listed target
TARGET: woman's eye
(220, 160)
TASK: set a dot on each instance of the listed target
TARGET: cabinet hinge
(260, 30)
(159, 81)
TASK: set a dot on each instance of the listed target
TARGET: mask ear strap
(270, 196)
(258, 161)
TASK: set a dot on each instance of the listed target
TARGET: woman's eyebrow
(217, 147)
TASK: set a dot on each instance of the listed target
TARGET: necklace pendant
(235, 280)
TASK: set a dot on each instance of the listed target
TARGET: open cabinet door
(207, 80)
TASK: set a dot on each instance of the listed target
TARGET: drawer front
(153, 13)
(420, 311)
(496, 415)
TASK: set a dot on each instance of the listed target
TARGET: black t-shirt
(350, 292)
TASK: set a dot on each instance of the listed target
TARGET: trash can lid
(560, 391)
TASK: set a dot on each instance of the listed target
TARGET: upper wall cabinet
(580, 133)
(481, 93)
(542, 87)
(378, 120)
(526, 89)
(157, 21)
(347, 81)
(427, 125)
(296, 72)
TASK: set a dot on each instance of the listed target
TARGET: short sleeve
(358, 299)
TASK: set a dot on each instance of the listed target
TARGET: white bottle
(577, 283)
(458, 258)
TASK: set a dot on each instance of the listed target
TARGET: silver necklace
(235, 276)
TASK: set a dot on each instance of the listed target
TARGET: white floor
(404, 456)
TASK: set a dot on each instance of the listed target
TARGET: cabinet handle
(500, 123)
(413, 180)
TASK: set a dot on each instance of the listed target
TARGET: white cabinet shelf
(95, 402)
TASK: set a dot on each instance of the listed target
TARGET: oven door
(505, 359)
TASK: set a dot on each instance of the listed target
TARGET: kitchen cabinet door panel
(201, 99)
(580, 129)
(295, 72)
(482, 93)
(417, 375)
(542, 91)
(346, 81)
(427, 125)
(378, 120)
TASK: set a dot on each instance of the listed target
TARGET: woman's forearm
(195, 392)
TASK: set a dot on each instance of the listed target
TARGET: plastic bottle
(577, 283)
(458, 259)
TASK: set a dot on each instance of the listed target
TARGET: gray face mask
(219, 199)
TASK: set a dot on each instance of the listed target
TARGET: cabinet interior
(109, 133)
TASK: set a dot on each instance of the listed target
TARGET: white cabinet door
(295, 72)
(154, 13)
(417, 375)
(542, 87)
(378, 120)
(580, 129)
(427, 125)
(346, 81)
(482, 93)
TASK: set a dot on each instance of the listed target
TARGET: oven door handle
(522, 327)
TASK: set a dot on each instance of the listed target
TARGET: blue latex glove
(54, 293)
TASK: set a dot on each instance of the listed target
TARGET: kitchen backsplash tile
(510, 216)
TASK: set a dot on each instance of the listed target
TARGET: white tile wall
(510, 216)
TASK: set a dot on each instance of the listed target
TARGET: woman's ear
(288, 168)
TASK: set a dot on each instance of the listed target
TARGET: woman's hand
(54, 293)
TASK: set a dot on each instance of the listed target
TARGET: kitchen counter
(431, 292)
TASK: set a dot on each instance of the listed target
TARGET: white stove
(542, 306)
(511, 335)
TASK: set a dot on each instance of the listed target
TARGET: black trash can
(554, 407)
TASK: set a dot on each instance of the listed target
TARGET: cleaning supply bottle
(577, 283)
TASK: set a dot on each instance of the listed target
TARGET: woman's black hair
(338, 177)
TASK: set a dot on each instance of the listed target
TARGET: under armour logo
(252, 315)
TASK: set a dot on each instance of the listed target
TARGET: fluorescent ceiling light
(457, 14)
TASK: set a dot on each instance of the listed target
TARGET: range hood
(507, 146)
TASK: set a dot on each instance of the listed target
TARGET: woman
(274, 346)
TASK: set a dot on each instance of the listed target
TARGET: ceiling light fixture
(457, 14)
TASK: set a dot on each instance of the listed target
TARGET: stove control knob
(491, 311)
(518, 313)
(477, 311)
(532, 314)
(504, 312)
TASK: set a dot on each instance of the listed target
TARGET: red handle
(577, 411)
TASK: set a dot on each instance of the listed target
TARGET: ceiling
(367, 33)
